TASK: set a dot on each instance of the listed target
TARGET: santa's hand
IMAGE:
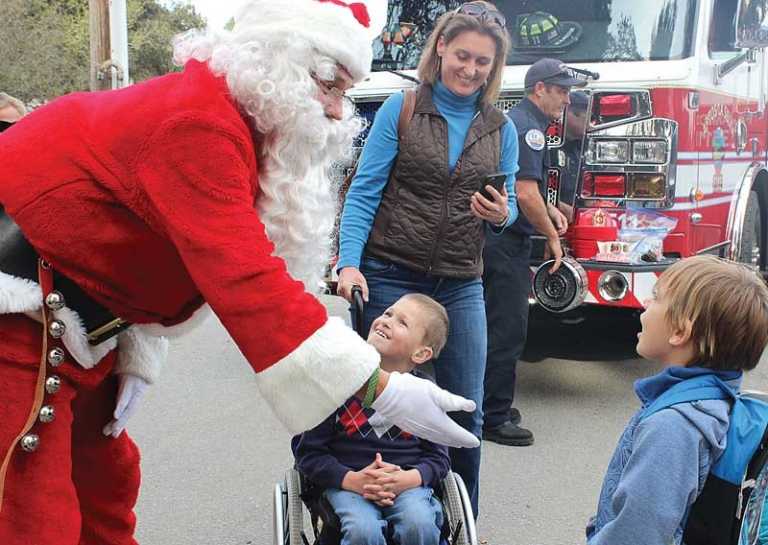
(129, 394)
(417, 406)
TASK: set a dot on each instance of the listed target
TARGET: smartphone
(496, 181)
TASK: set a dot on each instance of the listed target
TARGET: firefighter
(506, 277)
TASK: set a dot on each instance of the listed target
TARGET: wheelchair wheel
(461, 519)
(279, 508)
(295, 507)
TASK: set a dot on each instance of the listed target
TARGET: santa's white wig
(267, 60)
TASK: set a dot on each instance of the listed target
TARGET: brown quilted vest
(424, 221)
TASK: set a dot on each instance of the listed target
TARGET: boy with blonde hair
(377, 478)
(707, 317)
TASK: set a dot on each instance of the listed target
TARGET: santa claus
(125, 213)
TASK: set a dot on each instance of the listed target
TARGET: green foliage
(151, 28)
(44, 44)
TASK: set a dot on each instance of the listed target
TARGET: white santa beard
(298, 201)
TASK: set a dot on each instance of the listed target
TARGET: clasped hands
(381, 482)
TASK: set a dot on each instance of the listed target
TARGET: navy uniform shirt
(531, 124)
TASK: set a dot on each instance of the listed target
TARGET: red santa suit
(144, 197)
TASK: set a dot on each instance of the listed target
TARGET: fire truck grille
(508, 101)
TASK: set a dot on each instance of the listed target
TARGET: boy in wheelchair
(377, 478)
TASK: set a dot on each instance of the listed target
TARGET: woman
(413, 219)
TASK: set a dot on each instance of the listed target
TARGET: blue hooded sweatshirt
(660, 464)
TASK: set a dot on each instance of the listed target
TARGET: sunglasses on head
(483, 13)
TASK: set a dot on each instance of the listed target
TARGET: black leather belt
(19, 258)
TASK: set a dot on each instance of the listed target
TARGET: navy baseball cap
(553, 71)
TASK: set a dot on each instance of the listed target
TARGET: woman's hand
(494, 212)
(348, 278)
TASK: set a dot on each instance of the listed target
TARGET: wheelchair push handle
(358, 308)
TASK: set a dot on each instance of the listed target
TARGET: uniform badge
(535, 139)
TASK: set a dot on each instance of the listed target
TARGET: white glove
(417, 406)
(129, 394)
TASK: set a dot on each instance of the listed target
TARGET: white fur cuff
(18, 294)
(141, 354)
(314, 380)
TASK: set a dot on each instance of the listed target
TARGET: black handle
(358, 308)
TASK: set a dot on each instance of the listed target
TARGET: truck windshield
(571, 30)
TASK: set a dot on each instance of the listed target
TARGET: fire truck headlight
(649, 152)
(647, 186)
(612, 286)
(611, 151)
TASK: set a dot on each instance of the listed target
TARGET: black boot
(509, 434)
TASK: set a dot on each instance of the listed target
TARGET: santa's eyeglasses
(329, 89)
(483, 13)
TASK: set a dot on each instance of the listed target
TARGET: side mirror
(752, 24)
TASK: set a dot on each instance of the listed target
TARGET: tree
(45, 51)
(151, 28)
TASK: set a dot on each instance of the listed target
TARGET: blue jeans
(415, 518)
(460, 369)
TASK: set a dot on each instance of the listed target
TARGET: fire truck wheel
(751, 249)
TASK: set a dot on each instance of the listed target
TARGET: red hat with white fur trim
(334, 27)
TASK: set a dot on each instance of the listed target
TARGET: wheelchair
(294, 497)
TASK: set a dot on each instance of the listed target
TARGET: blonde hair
(727, 306)
(452, 24)
(15, 103)
(436, 326)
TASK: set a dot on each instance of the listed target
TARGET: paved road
(212, 451)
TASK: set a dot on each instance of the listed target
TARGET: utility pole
(100, 46)
(118, 41)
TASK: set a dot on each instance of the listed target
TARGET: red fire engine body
(676, 125)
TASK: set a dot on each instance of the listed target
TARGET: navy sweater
(349, 439)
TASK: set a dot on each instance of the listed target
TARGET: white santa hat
(335, 28)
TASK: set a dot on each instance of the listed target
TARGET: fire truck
(675, 125)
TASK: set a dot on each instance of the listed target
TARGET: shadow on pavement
(592, 334)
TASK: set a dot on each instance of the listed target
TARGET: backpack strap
(747, 427)
(403, 122)
(406, 113)
(698, 388)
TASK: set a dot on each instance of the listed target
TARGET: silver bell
(56, 356)
(47, 414)
(30, 442)
(54, 300)
(52, 384)
(57, 328)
